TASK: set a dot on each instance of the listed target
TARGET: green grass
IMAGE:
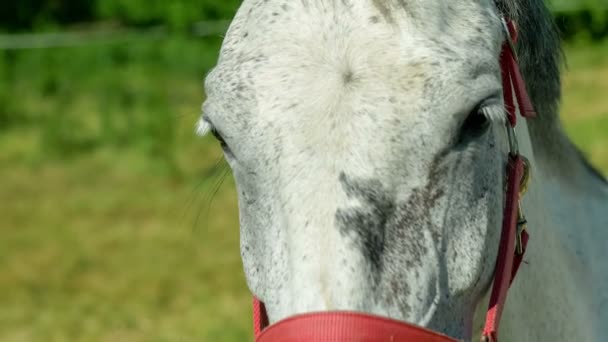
(106, 234)
(585, 104)
(105, 230)
(97, 250)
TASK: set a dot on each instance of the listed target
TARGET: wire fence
(23, 41)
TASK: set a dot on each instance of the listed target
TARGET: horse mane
(541, 58)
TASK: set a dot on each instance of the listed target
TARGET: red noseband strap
(347, 326)
(260, 317)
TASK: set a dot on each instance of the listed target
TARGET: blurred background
(116, 222)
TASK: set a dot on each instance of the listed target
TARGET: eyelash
(478, 122)
(218, 137)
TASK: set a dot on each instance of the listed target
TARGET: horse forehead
(425, 12)
(276, 48)
(261, 27)
(449, 16)
(264, 28)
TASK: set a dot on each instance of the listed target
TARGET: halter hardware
(510, 32)
(522, 222)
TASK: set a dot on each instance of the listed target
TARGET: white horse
(367, 142)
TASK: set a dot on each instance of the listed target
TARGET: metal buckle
(523, 187)
(522, 226)
(525, 178)
(513, 142)
(522, 222)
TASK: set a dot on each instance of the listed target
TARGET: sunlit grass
(585, 100)
(106, 237)
(97, 249)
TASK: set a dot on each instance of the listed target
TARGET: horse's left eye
(475, 126)
(219, 138)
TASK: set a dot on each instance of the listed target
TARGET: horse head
(368, 146)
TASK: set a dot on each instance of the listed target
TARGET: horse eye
(475, 126)
(219, 138)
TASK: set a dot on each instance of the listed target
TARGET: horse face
(364, 140)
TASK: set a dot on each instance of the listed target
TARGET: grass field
(107, 228)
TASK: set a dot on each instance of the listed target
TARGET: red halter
(350, 326)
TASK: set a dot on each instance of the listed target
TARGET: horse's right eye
(476, 124)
